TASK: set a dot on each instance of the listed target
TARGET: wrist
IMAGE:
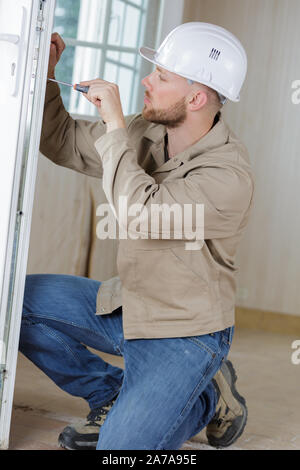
(51, 74)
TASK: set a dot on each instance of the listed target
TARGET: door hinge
(40, 19)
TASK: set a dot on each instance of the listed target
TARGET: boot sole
(69, 442)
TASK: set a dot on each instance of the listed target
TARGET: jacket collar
(216, 137)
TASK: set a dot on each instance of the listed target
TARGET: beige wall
(269, 123)
(63, 231)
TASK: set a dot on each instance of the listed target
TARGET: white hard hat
(203, 53)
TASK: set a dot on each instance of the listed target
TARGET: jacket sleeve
(224, 193)
(70, 142)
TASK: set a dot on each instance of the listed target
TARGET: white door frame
(32, 85)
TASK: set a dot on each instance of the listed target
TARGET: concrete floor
(266, 377)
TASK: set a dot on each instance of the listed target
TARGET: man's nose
(146, 82)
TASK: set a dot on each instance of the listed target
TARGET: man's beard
(171, 117)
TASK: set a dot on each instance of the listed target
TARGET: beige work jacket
(165, 288)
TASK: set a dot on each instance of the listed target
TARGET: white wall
(171, 16)
(268, 122)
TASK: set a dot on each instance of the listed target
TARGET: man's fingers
(85, 95)
(93, 82)
(92, 99)
(55, 35)
(98, 81)
(58, 43)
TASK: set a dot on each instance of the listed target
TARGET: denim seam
(225, 342)
(227, 339)
(209, 367)
(78, 326)
(48, 331)
(202, 345)
(181, 416)
(110, 340)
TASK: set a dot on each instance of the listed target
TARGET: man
(170, 312)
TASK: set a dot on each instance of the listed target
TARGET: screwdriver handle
(82, 89)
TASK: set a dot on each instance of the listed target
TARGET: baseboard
(267, 321)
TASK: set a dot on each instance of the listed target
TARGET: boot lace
(97, 415)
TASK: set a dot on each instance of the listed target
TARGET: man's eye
(162, 78)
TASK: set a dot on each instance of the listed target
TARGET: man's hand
(106, 97)
(56, 49)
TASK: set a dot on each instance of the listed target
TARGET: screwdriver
(82, 89)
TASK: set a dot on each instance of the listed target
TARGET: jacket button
(102, 309)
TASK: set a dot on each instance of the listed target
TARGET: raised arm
(66, 141)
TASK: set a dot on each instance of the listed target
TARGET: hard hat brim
(148, 54)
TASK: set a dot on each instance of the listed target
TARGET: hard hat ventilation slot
(214, 54)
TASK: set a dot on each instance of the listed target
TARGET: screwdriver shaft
(80, 88)
(62, 83)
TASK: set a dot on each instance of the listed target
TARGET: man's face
(165, 98)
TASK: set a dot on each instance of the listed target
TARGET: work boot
(85, 436)
(230, 418)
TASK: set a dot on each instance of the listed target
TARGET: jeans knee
(31, 282)
(31, 294)
(39, 291)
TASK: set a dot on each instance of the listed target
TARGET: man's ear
(198, 100)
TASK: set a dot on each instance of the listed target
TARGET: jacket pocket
(169, 289)
(200, 263)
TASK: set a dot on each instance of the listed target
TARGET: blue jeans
(166, 394)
